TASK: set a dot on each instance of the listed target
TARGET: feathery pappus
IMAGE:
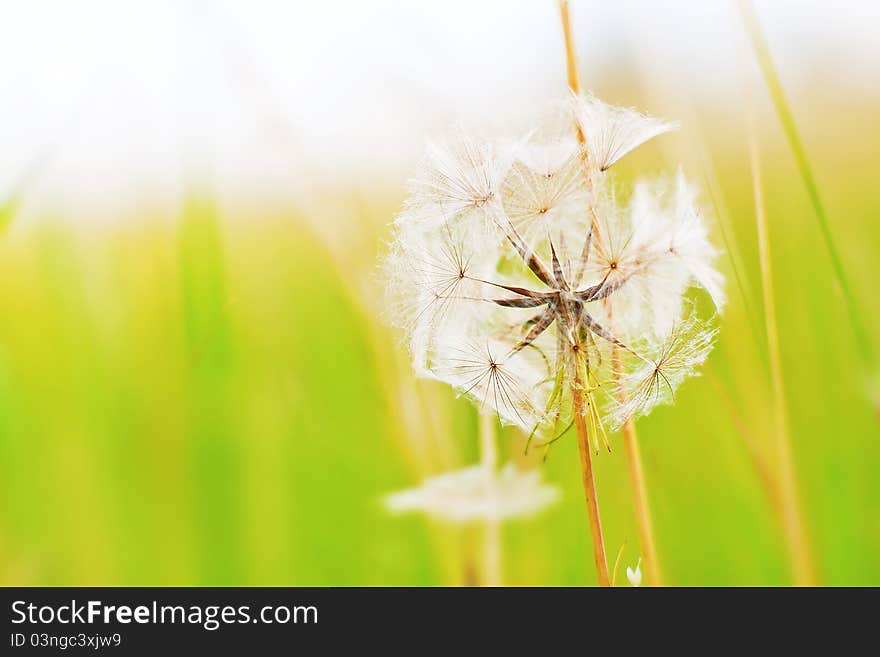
(520, 276)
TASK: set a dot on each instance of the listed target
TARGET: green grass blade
(786, 118)
(736, 264)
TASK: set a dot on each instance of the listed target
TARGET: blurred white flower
(468, 495)
(635, 575)
(519, 276)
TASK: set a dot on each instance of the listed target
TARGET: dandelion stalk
(786, 118)
(630, 436)
(574, 84)
(578, 385)
(571, 64)
(579, 410)
(489, 463)
(790, 505)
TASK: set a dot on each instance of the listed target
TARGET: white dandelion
(519, 273)
(468, 495)
(566, 303)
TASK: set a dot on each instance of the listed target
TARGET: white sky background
(112, 104)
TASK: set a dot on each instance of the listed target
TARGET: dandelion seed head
(515, 259)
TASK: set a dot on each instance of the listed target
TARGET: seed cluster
(522, 279)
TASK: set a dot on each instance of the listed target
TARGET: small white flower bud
(635, 575)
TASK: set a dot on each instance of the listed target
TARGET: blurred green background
(217, 401)
(211, 396)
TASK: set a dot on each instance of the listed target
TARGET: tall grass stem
(793, 522)
(786, 118)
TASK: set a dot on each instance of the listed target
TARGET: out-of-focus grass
(789, 125)
(215, 401)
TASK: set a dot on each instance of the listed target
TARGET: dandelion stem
(580, 421)
(790, 505)
(630, 438)
(574, 84)
(489, 463)
(578, 384)
(574, 80)
(786, 118)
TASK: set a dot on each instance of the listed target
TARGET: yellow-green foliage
(213, 400)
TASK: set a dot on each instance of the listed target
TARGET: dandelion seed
(683, 240)
(655, 381)
(612, 132)
(496, 378)
(458, 182)
(543, 186)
